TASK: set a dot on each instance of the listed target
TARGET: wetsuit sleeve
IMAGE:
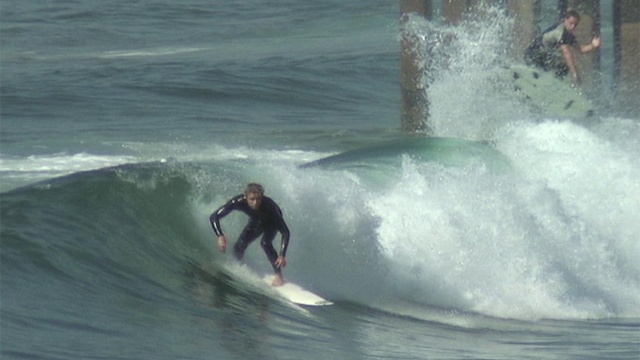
(222, 212)
(284, 230)
(281, 225)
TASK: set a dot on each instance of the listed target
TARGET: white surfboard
(296, 294)
(549, 93)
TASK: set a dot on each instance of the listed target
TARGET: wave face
(109, 229)
(518, 244)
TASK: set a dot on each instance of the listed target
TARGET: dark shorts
(538, 57)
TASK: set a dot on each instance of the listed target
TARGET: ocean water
(506, 234)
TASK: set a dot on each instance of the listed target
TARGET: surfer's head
(571, 20)
(254, 193)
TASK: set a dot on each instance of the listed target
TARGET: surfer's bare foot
(277, 280)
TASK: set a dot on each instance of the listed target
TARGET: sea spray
(499, 245)
(461, 65)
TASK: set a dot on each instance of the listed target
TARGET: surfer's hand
(596, 42)
(222, 243)
(280, 262)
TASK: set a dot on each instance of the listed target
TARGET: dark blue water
(508, 235)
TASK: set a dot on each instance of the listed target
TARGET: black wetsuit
(543, 51)
(267, 220)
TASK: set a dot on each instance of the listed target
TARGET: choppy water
(508, 235)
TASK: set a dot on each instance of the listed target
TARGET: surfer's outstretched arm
(215, 224)
(568, 58)
(281, 261)
(284, 231)
(223, 211)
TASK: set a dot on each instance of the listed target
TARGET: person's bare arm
(568, 58)
(594, 44)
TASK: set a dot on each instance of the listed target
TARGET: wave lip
(146, 53)
(18, 171)
(447, 151)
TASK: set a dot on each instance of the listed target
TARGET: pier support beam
(415, 104)
(627, 29)
(524, 25)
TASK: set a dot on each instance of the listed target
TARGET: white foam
(17, 171)
(556, 239)
(147, 52)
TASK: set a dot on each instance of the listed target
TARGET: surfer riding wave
(265, 218)
(552, 50)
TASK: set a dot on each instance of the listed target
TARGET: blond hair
(254, 188)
